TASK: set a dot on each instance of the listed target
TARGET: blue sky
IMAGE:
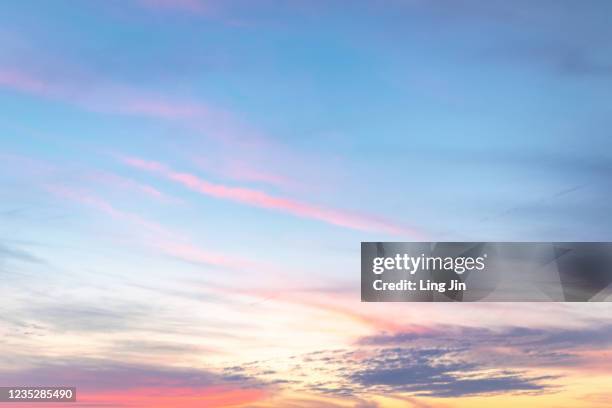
(481, 106)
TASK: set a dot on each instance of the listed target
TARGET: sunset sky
(184, 186)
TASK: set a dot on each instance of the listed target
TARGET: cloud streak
(154, 235)
(20, 81)
(7, 252)
(120, 99)
(257, 198)
(120, 182)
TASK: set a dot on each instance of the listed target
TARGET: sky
(184, 186)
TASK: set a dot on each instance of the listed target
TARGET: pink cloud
(127, 183)
(23, 82)
(250, 174)
(216, 124)
(262, 199)
(238, 143)
(117, 181)
(246, 153)
(141, 164)
(160, 108)
(110, 98)
(241, 170)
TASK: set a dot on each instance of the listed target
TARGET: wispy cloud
(117, 181)
(116, 98)
(257, 198)
(153, 235)
(91, 200)
(90, 318)
(20, 81)
(336, 302)
(244, 150)
(235, 168)
(12, 253)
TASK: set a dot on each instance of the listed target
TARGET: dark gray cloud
(417, 371)
(438, 372)
(493, 385)
(567, 339)
(528, 347)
